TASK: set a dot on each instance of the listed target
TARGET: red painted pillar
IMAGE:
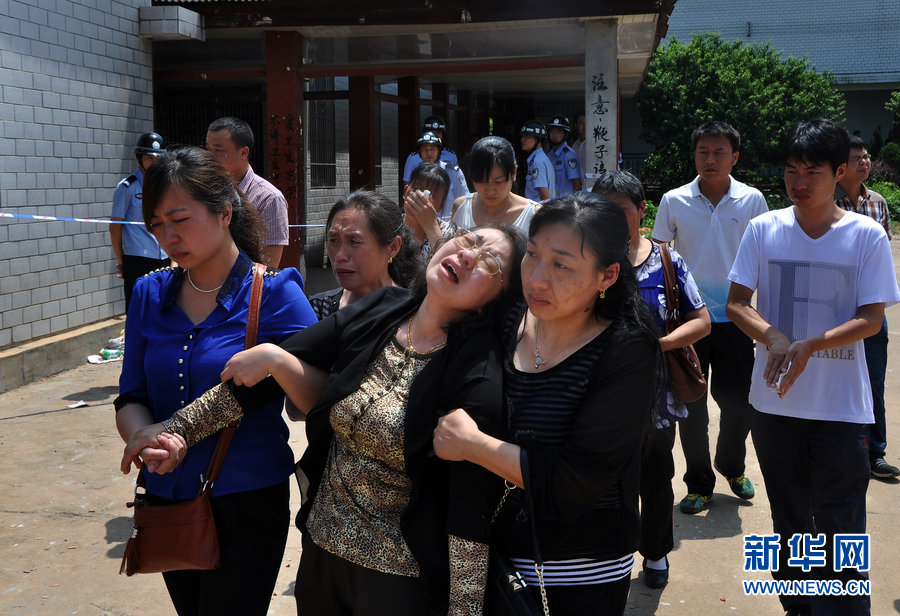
(362, 132)
(409, 124)
(287, 158)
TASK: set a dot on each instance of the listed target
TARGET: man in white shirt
(823, 277)
(706, 220)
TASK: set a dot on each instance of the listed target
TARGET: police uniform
(540, 175)
(566, 167)
(142, 253)
(414, 160)
(458, 188)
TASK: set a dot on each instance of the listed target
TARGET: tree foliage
(893, 103)
(750, 86)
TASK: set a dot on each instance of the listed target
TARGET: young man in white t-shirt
(823, 277)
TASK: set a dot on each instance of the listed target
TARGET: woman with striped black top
(581, 374)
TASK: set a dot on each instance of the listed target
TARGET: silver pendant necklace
(538, 360)
(188, 272)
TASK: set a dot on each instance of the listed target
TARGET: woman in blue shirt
(657, 463)
(183, 324)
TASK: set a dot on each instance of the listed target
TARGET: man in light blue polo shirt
(706, 220)
(137, 251)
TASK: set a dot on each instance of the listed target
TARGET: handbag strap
(538, 561)
(218, 457)
(673, 302)
(259, 271)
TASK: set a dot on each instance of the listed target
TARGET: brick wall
(75, 93)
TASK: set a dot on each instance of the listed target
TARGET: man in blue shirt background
(540, 182)
(564, 159)
(137, 251)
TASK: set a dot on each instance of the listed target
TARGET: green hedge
(891, 194)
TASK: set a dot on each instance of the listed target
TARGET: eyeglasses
(487, 261)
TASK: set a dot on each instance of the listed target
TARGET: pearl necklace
(409, 340)
(188, 272)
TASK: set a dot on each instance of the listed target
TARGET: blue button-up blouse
(169, 361)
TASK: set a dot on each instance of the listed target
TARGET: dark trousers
(135, 267)
(876, 347)
(730, 353)
(816, 474)
(607, 599)
(657, 498)
(330, 585)
(253, 528)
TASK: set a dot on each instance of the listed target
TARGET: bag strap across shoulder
(673, 302)
(218, 458)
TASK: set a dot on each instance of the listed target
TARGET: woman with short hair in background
(368, 246)
(426, 191)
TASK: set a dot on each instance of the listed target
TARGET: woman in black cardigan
(386, 526)
(580, 369)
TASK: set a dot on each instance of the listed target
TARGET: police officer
(564, 159)
(429, 148)
(540, 181)
(137, 251)
(433, 124)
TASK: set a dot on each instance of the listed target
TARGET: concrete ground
(63, 521)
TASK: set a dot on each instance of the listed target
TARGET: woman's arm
(695, 326)
(458, 438)
(302, 382)
(456, 203)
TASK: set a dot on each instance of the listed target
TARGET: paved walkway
(63, 521)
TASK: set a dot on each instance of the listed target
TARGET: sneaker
(694, 503)
(883, 470)
(741, 486)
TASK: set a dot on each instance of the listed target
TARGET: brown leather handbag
(176, 536)
(685, 373)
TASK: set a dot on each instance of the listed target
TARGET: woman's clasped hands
(155, 449)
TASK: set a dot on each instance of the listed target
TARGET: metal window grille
(320, 123)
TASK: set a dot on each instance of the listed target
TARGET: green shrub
(753, 87)
(777, 200)
(890, 153)
(891, 194)
(649, 217)
(893, 103)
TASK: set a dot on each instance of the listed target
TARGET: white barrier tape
(103, 221)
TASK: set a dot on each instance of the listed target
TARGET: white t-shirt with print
(806, 287)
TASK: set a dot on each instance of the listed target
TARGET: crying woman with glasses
(388, 528)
